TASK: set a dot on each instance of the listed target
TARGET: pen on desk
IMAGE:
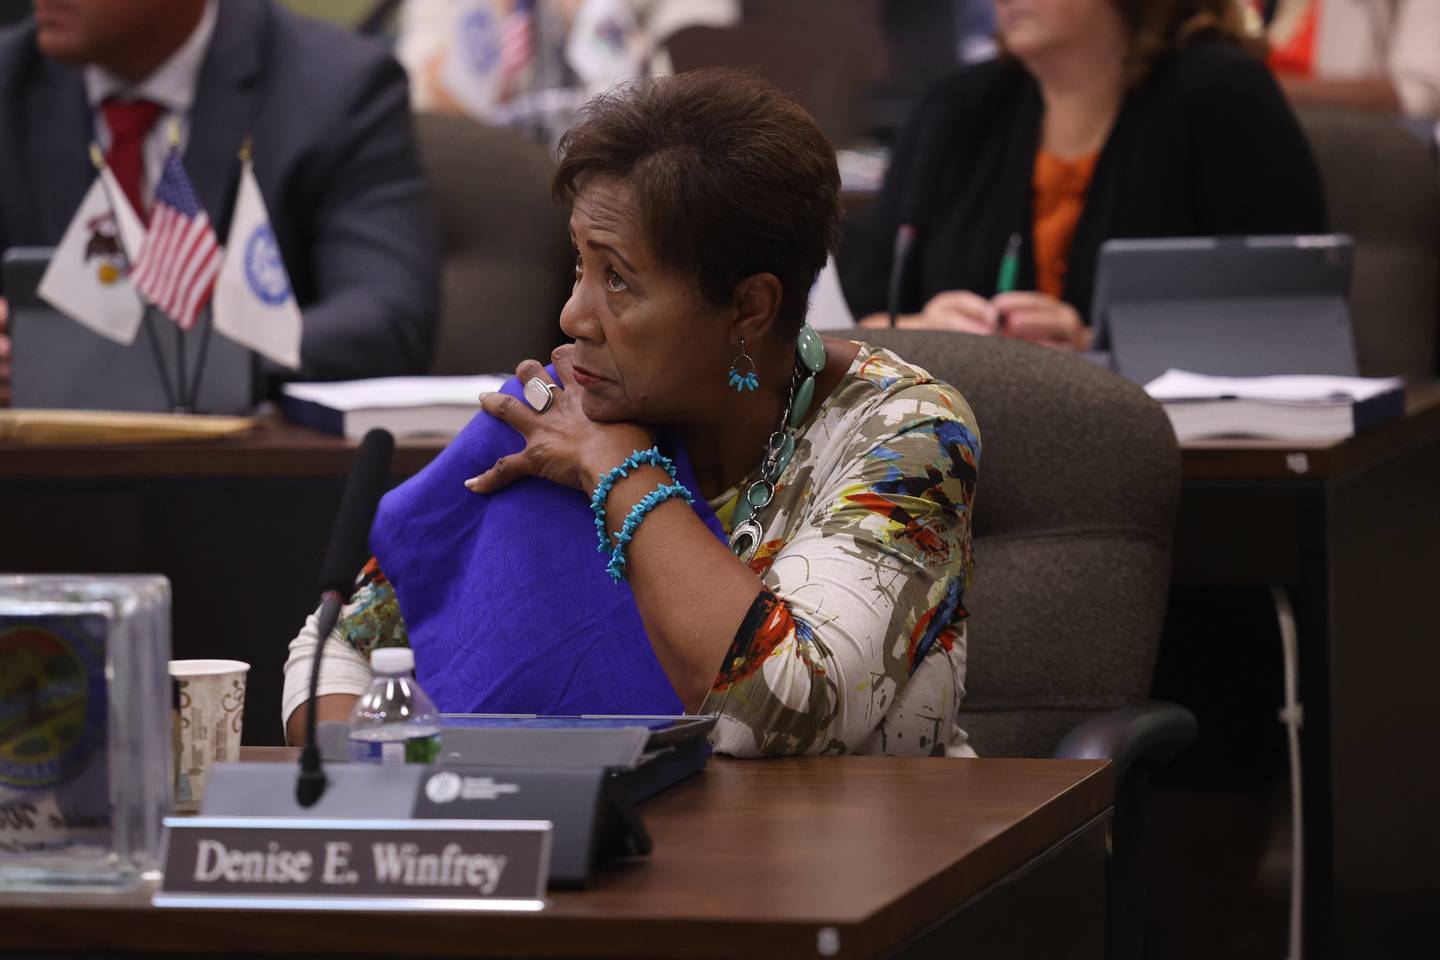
(1009, 273)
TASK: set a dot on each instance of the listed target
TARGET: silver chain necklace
(746, 532)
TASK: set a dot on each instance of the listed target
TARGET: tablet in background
(57, 363)
(1231, 306)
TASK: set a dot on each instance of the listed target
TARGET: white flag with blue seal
(473, 71)
(254, 304)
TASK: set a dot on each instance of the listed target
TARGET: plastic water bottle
(395, 721)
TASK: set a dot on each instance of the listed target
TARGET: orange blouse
(1059, 187)
(1292, 37)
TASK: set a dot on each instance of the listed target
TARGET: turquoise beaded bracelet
(651, 500)
(652, 457)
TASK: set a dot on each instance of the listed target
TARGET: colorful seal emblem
(264, 267)
(104, 246)
(52, 701)
(479, 41)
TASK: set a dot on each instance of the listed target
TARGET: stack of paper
(406, 406)
(1281, 407)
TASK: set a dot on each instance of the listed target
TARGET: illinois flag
(87, 279)
(254, 304)
(177, 266)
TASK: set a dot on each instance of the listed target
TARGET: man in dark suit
(334, 154)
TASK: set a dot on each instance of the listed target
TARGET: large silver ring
(539, 394)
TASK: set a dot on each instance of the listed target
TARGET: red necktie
(129, 121)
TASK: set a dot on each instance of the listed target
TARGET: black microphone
(904, 240)
(348, 549)
(918, 191)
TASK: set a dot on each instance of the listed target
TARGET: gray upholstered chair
(1079, 485)
(507, 262)
(1382, 188)
(827, 54)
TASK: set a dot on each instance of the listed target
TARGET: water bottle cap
(392, 660)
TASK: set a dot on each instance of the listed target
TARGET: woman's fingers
(953, 322)
(956, 310)
(531, 369)
(1025, 300)
(962, 305)
(1041, 318)
(563, 359)
(1046, 325)
(1026, 314)
(512, 410)
(505, 472)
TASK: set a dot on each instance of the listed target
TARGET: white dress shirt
(172, 85)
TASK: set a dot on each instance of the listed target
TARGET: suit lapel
(61, 128)
(224, 107)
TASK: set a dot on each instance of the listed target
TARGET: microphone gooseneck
(918, 191)
(904, 240)
(347, 551)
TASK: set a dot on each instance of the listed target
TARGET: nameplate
(309, 864)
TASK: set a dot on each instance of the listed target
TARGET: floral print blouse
(857, 644)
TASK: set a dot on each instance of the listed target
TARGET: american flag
(178, 264)
(517, 44)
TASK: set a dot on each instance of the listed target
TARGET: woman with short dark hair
(1101, 119)
(812, 594)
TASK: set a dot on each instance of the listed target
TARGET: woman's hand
(958, 310)
(562, 444)
(1037, 317)
(1041, 318)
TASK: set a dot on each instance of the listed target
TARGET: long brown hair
(1161, 27)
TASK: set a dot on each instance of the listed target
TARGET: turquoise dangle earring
(746, 531)
(742, 382)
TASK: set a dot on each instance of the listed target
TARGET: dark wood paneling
(1236, 534)
(242, 556)
(1385, 658)
(1067, 880)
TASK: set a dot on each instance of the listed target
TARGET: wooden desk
(1351, 527)
(829, 857)
(1246, 461)
(275, 449)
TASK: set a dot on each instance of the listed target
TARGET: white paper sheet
(397, 391)
(1183, 385)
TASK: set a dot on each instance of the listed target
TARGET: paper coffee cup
(212, 709)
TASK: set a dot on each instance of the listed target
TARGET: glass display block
(86, 773)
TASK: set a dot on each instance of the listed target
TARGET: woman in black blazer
(1185, 132)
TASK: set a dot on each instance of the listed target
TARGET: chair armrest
(1132, 738)
(1151, 732)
